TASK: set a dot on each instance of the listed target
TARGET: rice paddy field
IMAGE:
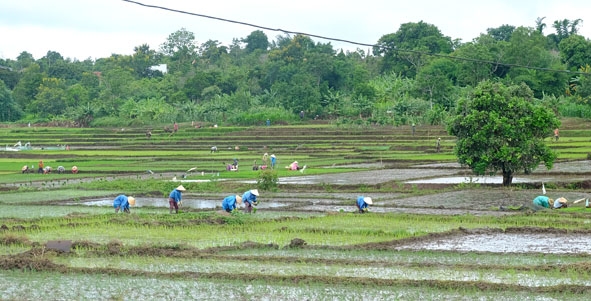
(434, 231)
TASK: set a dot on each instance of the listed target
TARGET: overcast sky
(84, 29)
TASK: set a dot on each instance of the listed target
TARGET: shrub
(267, 180)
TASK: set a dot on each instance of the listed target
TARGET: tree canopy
(413, 74)
(499, 128)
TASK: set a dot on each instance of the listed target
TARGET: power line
(359, 43)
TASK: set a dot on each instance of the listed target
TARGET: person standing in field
(363, 203)
(41, 167)
(438, 146)
(230, 202)
(250, 198)
(266, 159)
(556, 134)
(175, 198)
(122, 203)
(273, 161)
(176, 127)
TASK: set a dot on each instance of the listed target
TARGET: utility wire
(359, 43)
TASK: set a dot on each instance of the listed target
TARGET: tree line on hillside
(414, 75)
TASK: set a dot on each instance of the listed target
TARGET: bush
(267, 180)
(259, 115)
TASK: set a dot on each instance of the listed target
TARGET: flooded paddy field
(433, 232)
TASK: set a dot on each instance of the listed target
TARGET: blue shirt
(175, 195)
(229, 203)
(248, 197)
(361, 204)
(121, 201)
(542, 200)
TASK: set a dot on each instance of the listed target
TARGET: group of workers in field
(47, 169)
(544, 202)
(249, 198)
(230, 203)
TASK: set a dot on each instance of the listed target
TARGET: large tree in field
(499, 128)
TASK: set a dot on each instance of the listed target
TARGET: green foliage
(571, 109)
(259, 115)
(10, 111)
(267, 180)
(500, 129)
(255, 79)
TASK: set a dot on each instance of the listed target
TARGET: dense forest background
(414, 75)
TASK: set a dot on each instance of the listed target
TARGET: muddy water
(445, 173)
(473, 180)
(322, 208)
(509, 243)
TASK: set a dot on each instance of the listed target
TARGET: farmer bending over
(122, 203)
(542, 201)
(560, 203)
(250, 198)
(362, 203)
(229, 203)
(175, 198)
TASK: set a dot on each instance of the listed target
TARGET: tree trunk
(507, 178)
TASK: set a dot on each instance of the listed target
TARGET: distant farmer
(255, 166)
(229, 203)
(148, 134)
(301, 115)
(268, 122)
(266, 159)
(122, 202)
(273, 161)
(74, 169)
(438, 146)
(560, 203)
(362, 203)
(250, 198)
(213, 149)
(61, 169)
(47, 170)
(413, 128)
(542, 201)
(41, 167)
(175, 198)
(235, 163)
(556, 134)
(25, 169)
(176, 127)
(294, 166)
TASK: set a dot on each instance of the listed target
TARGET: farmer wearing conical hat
(560, 203)
(250, 198)
(362, 203)
(230, 202)
(175, 198)
(122, 202)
